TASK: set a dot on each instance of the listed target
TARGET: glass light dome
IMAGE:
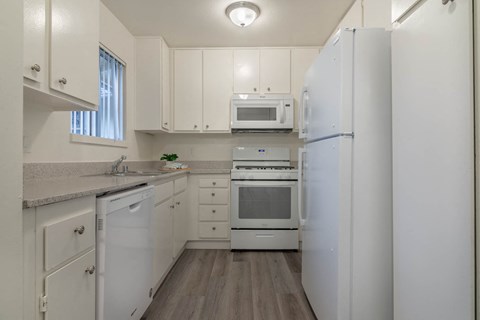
(242, 13)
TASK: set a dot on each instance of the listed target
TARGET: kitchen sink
(129, 174)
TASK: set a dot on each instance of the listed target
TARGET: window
(108, 121)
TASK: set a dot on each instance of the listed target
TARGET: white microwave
(262, 113)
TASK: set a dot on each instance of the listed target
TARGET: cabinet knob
(178, 203)
(213, 211)
(268, 89)
(36, 68)
(255, 89)
(444, 2)
(165, 123)
(90, 270)
(213, 194)
(207, 126)
(79, 230)
(214, 228)
(172, 206)
(63, 81)
(214, 183)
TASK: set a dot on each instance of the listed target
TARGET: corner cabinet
(152, 85)
(61, 48)
(59, 261)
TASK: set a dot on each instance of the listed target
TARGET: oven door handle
(253, 183)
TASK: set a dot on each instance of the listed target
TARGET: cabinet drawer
(217, 230)
(213, 213)
(163, 192)
(66, 238)
(180, 184)
(214, 183)
(213, 196)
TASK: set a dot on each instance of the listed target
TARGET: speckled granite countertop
(46, 183)
(39, 192)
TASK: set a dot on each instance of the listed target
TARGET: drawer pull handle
(36, 68)
(214, 228)
(213, 211)
(213, 194)
(214, 183)
(90, 270)
(178, 203)
(79, 230)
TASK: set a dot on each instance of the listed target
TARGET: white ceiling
(203, 23)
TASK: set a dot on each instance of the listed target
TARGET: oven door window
(256, 114)
(265, 203)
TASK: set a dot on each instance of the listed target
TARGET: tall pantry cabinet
(433, 152)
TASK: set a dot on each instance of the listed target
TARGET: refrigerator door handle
(302, 119)
(301, 169)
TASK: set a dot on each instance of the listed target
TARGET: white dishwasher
(124, 254)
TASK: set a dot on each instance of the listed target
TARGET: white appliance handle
(284, 113)
(276, 183)
(301, 213)
(302, 119)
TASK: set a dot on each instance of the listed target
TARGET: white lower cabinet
(163, 240)
(170, 226)
(180, 223)
(59, 261)
(70, 291)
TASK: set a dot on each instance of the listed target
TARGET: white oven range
(264, 200)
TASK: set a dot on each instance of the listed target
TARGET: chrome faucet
(117, 163)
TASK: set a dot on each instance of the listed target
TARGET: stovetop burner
(265, 168)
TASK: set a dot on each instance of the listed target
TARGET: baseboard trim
(208, 244)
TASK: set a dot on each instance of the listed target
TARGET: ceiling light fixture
(242, 13)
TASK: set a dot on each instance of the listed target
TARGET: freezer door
(326, 233)
(328, 89)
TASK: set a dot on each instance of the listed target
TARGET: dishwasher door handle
(135, 207)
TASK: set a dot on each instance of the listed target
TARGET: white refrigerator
(347, 235)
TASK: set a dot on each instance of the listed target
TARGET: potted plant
(169, 157)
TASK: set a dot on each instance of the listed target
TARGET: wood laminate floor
(225, 285)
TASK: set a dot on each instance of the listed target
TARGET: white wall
(11, 60)
(204, 147)
(47, 134)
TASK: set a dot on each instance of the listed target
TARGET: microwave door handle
(284, 113)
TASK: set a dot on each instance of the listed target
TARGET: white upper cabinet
(188, 90)
(74, 48)
(61, 49)
(34, 40)
(302, 59)
(262, 71)
(275, 71)
(152, 85)
(217, 89)
(246, 71)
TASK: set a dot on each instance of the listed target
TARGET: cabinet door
(163, 240)
(180, 226)
(166, 105)
(302, 59)
(188, 90)
(74, 48)
(246, 71)
(149, 91)
(71, 290)
(217, 89)
(34, 39)
(275, 71)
